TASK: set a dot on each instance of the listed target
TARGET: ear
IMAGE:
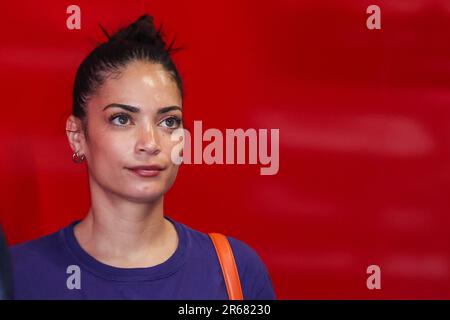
(75, 135)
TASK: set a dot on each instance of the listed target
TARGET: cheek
(171, 175)
(167, 146)
(109, 148)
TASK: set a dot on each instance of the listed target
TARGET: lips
(146, 171)
(150, 167)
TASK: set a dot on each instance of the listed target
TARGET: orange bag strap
(228, 265)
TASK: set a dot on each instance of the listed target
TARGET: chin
(149, 192)
(142, 197)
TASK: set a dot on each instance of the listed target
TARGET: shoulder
(41, 243)
(252, 271)
(243, 253)
(36, 254)
(37, 265)
(255, 278)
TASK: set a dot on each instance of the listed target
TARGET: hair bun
(141, 31)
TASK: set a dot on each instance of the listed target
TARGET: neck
(123, 233)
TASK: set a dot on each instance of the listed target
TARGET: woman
(127, 101)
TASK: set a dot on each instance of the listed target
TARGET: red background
(364, 133)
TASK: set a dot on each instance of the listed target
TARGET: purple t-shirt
(57, 267)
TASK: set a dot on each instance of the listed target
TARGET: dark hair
(139, 41)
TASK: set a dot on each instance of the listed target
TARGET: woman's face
(120, 139)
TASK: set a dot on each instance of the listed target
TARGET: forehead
(143, 84)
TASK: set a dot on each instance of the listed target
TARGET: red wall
(364, 118)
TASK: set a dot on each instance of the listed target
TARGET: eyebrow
(137, 110)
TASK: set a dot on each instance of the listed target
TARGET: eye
(121, 118)
(171, 122)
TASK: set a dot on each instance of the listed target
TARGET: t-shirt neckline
(162, 270)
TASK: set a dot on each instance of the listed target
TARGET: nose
(148, 140)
